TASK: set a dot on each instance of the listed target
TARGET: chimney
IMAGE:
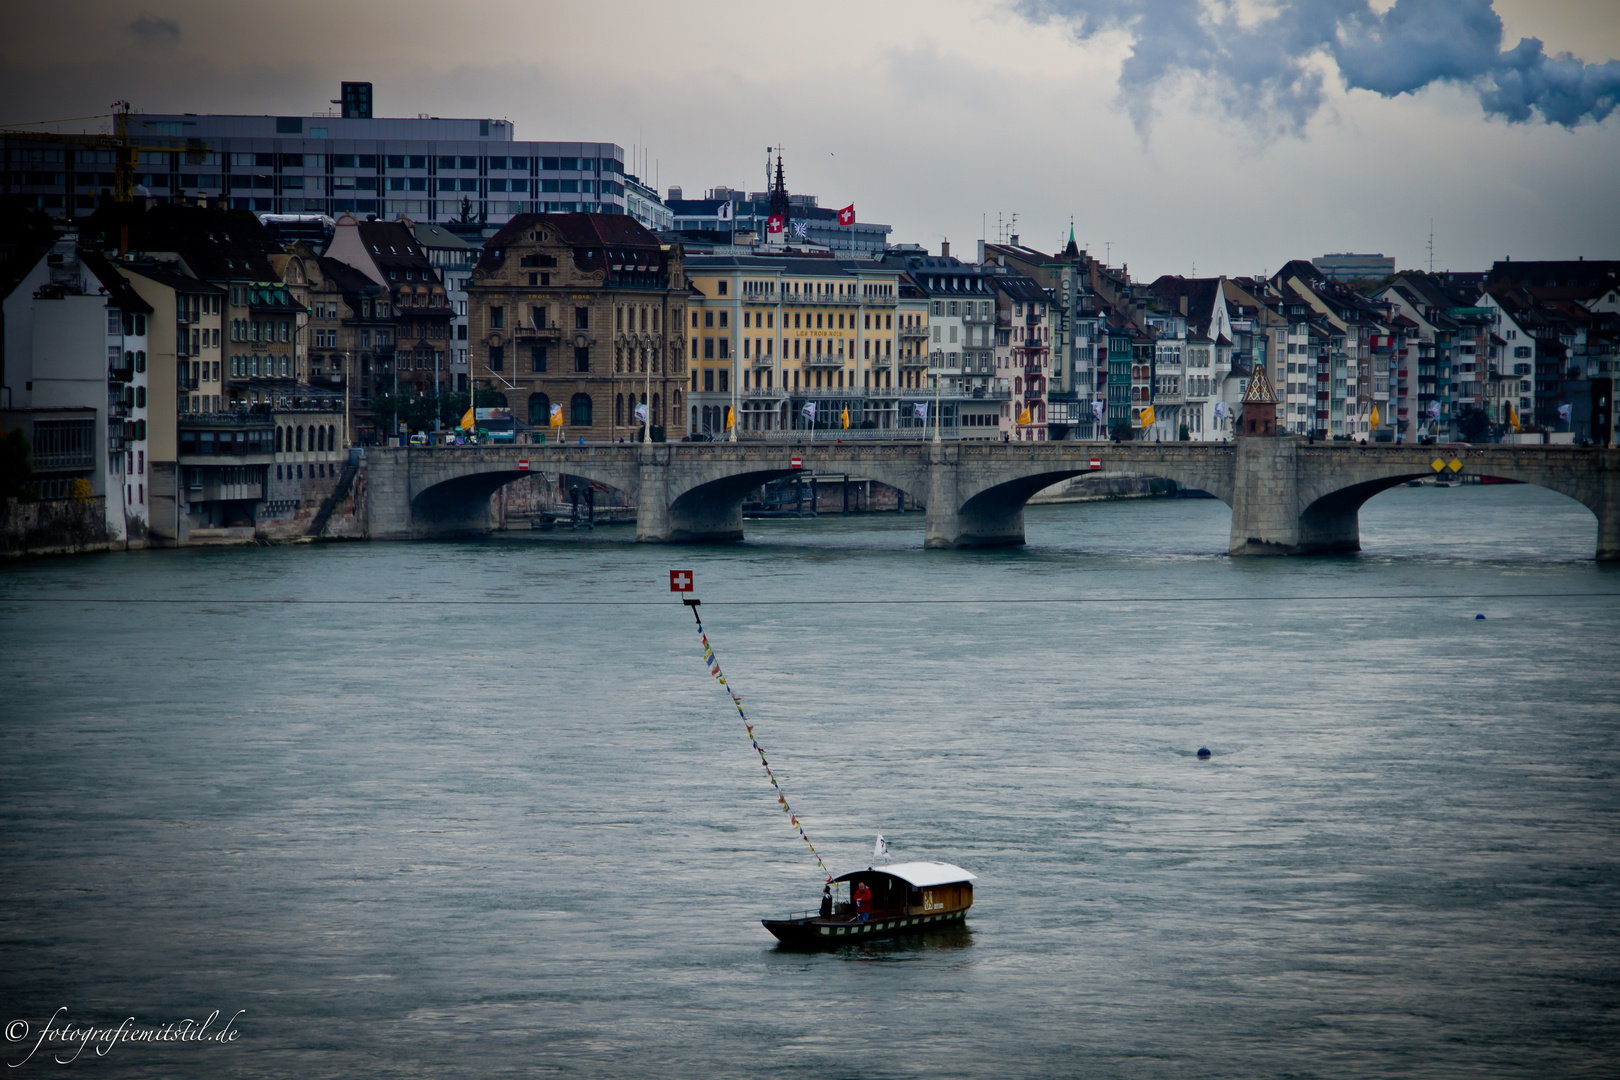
(1013, 240)
(1183, 299)
(944, 249)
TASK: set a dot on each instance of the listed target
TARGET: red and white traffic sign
(1096, 463)
(797, 464)
(680, 581)
(523, 464)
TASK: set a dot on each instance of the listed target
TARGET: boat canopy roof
(919, 874)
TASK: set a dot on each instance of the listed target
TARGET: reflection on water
(471, 839)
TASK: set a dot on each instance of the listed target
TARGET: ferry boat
(906, 898)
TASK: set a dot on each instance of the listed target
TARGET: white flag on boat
(880, 850)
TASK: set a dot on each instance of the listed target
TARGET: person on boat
(863, 902)
(826, 901)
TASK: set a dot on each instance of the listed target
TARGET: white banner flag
(809, 410)
(641, 413)
(921, 410)
(1563, 413)
(1220, 411)
(1097, 408)
(725, 210)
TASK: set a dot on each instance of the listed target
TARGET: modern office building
(1350, 267)
(427, 168)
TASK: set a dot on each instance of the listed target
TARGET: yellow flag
(1148, 416)
(845, 418)
(1024, 417)
(731, 418)
(1375, 416)
(467, 421)
(556, 416)
(1513, 418)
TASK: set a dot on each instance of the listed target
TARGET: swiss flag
(680, 581)
(846, 216)
(774, 223)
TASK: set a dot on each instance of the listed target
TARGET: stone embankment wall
(1093, 488)
(53, 527)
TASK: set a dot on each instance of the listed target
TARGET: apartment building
(585, 312)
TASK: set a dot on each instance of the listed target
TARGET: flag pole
(937, 380)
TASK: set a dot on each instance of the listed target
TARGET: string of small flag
(781, 800)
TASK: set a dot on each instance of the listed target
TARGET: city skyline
(937, 119)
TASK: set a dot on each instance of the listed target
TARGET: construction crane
(126, 154)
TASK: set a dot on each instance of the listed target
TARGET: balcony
(827, 360)
(916, 360)
(122, 370)
(766, 361)
(914, 333)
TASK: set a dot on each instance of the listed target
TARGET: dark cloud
(1266, 71)
(154, 31)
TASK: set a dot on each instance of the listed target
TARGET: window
(723, 285)
(579, 410)
(582, 360)
(497, 357)
(537, 358)
(582, 318)
(708, 319)
(539, 410)
(497, 318)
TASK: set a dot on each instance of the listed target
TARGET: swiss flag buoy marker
(680, 581)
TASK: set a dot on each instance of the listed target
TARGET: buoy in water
(1203, 751)
(1479, 616)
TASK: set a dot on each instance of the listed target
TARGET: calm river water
(479, 839)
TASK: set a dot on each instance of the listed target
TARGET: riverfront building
(585, 312)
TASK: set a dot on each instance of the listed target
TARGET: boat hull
(834, 933)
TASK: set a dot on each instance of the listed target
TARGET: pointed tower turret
(1072, 250)
(1259, 416)
(779, 198)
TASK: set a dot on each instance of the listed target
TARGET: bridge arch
(1329, 521)
(709, 508)
(459, 503)
(991, 512)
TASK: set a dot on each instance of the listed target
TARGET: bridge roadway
(1288, 497)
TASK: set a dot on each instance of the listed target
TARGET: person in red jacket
(863, 902)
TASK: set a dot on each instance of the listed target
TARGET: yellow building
(772, 334)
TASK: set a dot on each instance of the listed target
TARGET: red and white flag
(846, 216)
(774, 223)
(680, 581)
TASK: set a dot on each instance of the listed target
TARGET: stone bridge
(1287, 497)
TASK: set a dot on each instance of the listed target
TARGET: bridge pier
(953, 523)
(1606, 506)
(1270, 514)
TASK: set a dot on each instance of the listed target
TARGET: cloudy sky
(1226, 135)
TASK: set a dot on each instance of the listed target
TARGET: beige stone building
(584, 312)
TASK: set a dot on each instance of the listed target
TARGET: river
(514, 828)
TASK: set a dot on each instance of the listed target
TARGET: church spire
(779, 195)
(1072, 250)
